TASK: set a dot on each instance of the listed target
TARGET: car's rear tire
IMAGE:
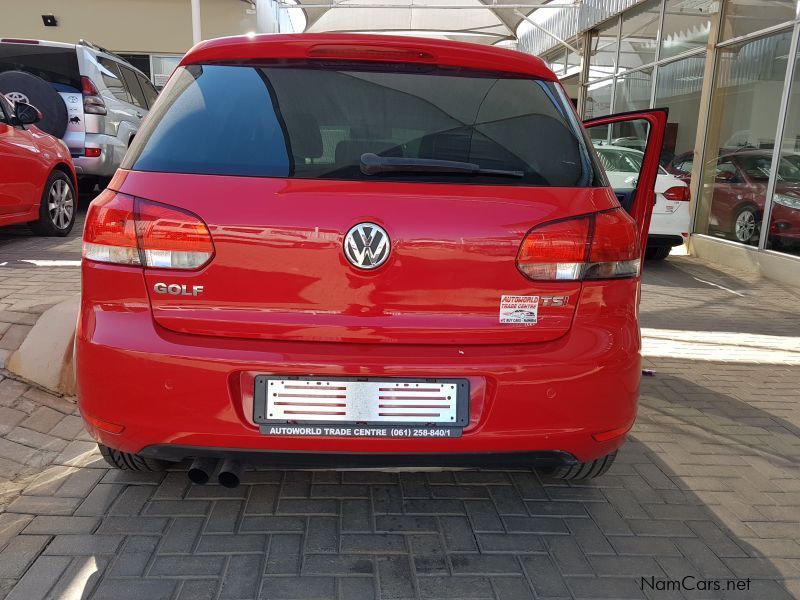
(130, 462)
(657, 252)
(57, 207)
(587, 470)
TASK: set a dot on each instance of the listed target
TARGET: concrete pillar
(267, 16)
(196, 26)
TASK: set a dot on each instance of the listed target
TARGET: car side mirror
(27, 114)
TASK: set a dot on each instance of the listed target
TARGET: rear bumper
(658, 241)
(666, 224)
(363, 460)
(112, 150)
(194, 394)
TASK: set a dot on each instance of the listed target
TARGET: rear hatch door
(271, 158)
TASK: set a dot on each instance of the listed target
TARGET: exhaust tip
(201, 469)
(230, 474)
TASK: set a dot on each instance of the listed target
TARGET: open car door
(636, 139)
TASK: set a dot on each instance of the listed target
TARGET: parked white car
(89, 97)
(669, 225)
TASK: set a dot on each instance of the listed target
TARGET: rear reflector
(678, 192)
(604, 436)
(126, 231)
(596, 246)
(92, 152)
(106, 426)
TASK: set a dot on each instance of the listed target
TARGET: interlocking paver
(19, 553)
(707, 486)
(54, 525)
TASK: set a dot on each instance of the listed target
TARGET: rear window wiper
(372, 164)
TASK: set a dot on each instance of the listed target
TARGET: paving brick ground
(708, 487)
(27, 289)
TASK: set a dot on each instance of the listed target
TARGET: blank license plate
(361, 407)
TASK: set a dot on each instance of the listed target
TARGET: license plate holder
(361, 406)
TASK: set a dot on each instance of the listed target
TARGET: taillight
(109, 234)
(555, 250)
(93, 103)
(596, 246)
(678, 192)
(171, 238)
(126, 231)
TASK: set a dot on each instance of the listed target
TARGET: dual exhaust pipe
(229, 475)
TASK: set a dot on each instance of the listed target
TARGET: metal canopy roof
(476, 21)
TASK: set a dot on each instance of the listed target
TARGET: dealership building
(727, 70)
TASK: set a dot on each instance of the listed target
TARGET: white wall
(151, 26)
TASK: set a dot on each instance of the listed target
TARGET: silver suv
(88, 96)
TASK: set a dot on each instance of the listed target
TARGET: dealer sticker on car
(519, 309)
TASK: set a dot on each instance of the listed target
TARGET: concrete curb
(46, 355)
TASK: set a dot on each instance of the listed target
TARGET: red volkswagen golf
(353, 250)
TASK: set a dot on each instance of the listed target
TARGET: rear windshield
(58, 66)
(315, 121)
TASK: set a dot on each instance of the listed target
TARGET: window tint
(137, 95)
(58, 66)
(149, 91)
(262, 121)
(112, 78)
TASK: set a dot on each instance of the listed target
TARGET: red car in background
(739, 191)
(37, 179)
(419, 263)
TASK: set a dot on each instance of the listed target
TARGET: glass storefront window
(678, 89)
(687, 24)
(639, 31)
(747, 16)
(784, 226)
(633, 91)
(741, 136)
(574, 58)
(603, 51)
(598, 99)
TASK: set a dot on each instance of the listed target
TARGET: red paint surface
(280, 298)
(27, 157)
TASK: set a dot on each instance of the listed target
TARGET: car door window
(684, 166)
(149, 90)
(137, 95)
(112, 78)
(726, 170)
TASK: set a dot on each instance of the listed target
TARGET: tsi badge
(175, 289)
